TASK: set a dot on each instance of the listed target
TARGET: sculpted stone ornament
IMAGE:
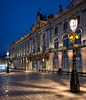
(71, 1)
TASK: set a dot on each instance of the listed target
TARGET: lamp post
(74, 82)
(7, 61)
(26, 64)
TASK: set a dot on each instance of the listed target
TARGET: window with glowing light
(78, 40)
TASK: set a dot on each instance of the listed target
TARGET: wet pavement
(22, 85)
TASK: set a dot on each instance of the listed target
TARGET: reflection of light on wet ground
(41, 86)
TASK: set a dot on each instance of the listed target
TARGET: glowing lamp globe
(7, 53)
(42, 59)
(73, 24)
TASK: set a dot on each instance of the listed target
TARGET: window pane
(56, 30)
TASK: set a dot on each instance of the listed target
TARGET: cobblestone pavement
(21, 85)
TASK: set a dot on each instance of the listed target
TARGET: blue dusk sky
(17, 16)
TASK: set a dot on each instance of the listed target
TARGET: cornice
(59, 15)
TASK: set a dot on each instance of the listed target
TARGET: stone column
(83, 55)
(36, 65)
(51, 61)
(60, 59)
(47, 64)
(24, 61)
(14, 64)
(41, 64)
(26, 64)
(30, 64)
(21, 63)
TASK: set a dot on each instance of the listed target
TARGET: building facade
(48, 46)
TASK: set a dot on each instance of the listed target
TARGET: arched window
(65, 62)
(56, 43)
(78, 61)
(78, 40)
(65, 41)
(44, 46)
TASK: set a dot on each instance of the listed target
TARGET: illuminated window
(78, 40)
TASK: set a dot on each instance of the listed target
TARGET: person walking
(60, 72)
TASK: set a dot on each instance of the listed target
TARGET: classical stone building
(48, 46)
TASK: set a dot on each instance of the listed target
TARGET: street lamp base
(74, 83)
(7, 70)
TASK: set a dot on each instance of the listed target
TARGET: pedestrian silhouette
(60, 71)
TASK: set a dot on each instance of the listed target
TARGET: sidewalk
(21, 85)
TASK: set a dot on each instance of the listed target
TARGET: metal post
(7, 66)
(74, 82)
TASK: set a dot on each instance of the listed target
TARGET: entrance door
(78, 61)
(34, 64)
(44, 64)
(56, 63)
(65, 62)
(38, 64)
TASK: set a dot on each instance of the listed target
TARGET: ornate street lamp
(7, 61)
(74, 82)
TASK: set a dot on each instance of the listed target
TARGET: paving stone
(21, 85)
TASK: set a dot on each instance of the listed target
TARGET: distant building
(48, 46)
(3, 62)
